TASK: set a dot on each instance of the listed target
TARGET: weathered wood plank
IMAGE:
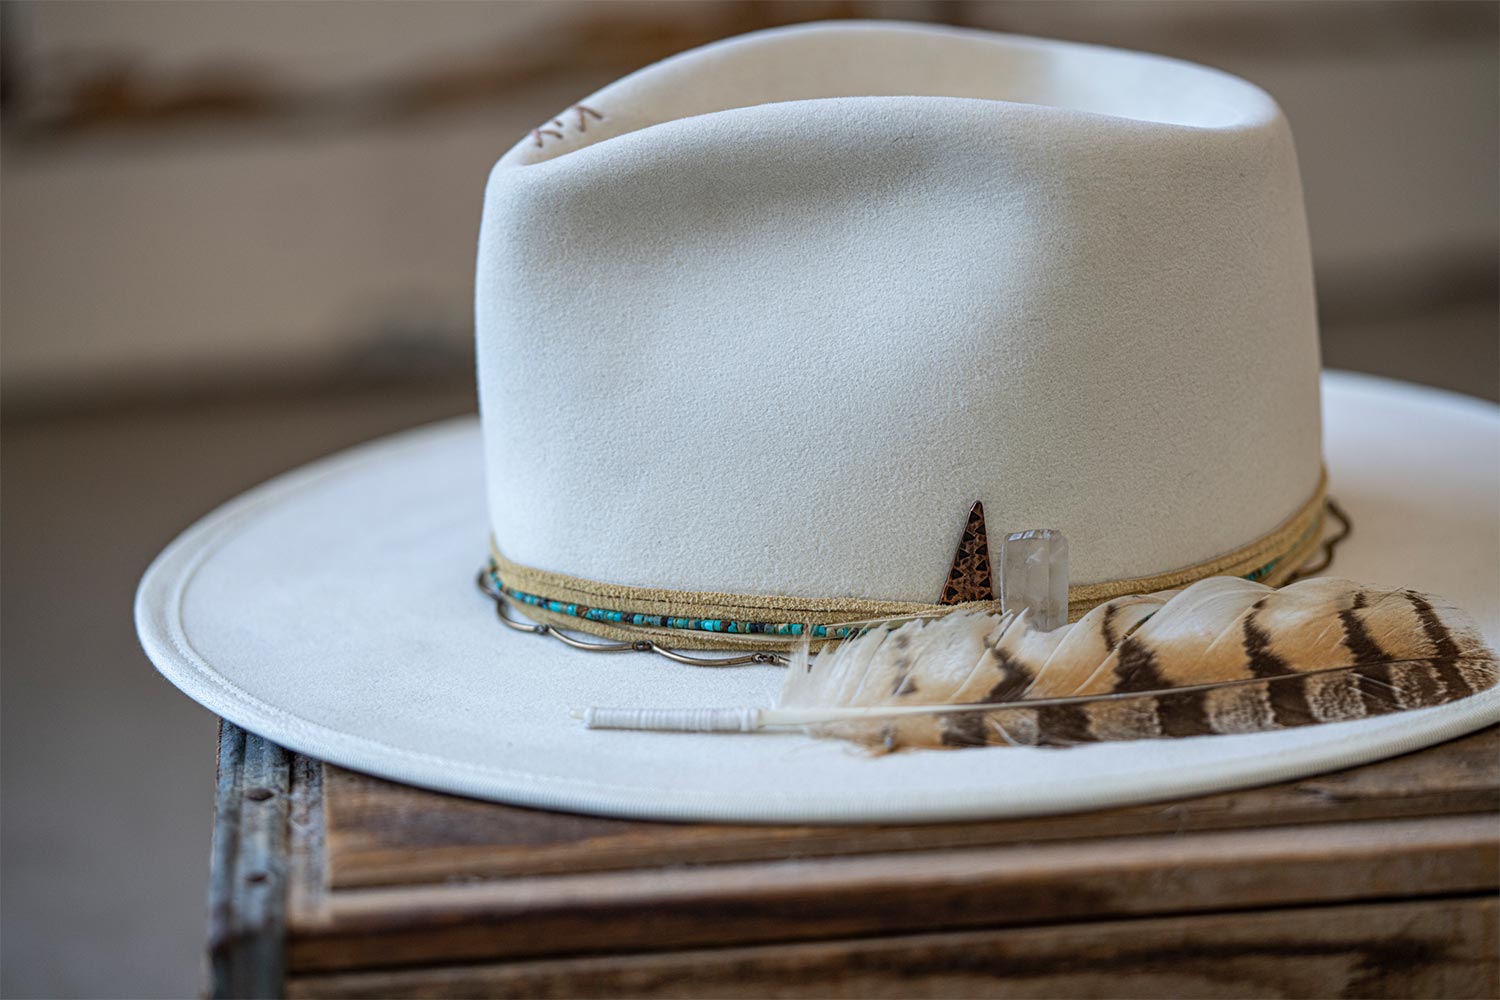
(247, 888)
(380, 833)
(307, 879)
(996, 886)
(1442, 948)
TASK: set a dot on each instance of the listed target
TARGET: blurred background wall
(202, 193)
(235, 236)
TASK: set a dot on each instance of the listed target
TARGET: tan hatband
(1272, 559)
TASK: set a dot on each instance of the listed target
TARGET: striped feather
(1224, 655)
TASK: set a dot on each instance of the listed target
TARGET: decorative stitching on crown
(582, 110)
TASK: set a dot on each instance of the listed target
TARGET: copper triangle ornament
(969, 578)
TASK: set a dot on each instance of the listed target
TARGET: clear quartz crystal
(1034, 575)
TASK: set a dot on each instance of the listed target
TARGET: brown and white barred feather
(1224, 655)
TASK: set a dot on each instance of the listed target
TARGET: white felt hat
(765, 319)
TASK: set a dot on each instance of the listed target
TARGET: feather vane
(1224, 655)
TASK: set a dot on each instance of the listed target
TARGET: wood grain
(1426, 949)
(905, 892)
(1378, 881)
(247, 883)
(381, 833)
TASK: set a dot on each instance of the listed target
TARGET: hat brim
(333, 610)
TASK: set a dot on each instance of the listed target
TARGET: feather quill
(1224, 655)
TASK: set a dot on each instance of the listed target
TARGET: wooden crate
(1374, 882)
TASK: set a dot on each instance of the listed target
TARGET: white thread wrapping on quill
(681, 720)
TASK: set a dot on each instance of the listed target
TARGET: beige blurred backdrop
(235, 236)
(239, 192)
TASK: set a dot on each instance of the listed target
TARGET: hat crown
(770, 316)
